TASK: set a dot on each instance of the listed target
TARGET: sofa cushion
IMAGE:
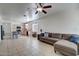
(74, 38)
(54, 39)
(50, 35)
(66, 36)
(56, 35)
(42, 34)
(48, 38)
(46, 34)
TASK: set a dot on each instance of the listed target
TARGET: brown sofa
(53, 37)
(61, 43)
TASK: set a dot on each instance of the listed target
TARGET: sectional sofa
(61, 43)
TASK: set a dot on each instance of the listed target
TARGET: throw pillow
(46, 34)
(75, 38)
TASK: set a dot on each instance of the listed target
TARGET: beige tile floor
(26, 46)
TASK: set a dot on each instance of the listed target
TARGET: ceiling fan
(42, 8)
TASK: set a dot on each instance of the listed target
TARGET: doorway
(7, 30)
(34, 29)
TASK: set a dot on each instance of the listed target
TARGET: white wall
(35, 27)
(61, 22)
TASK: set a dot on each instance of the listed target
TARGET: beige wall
(60, 22)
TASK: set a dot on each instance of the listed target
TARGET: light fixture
(39, 9)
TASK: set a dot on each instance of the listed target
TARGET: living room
(54, 27)
(39, 29)
(64, 21)
(60, 23)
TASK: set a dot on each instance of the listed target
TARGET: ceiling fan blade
(36, 12)
(44, 11)
(49, 6)
(40, 4)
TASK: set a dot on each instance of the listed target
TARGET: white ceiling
(14, 11)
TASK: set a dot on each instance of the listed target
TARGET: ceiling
(15, 12)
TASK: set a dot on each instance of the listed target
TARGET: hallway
(25, 46)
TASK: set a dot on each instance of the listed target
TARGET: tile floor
(26, 46)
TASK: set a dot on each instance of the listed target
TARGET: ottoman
(66, 47)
